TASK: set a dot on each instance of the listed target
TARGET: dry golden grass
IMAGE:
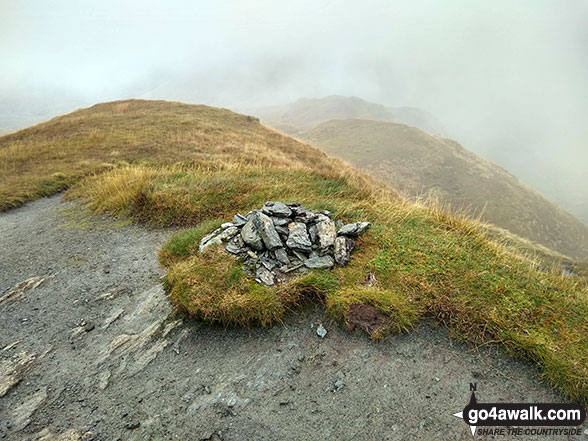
(49, 157)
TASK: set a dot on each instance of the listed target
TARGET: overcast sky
(509, 79)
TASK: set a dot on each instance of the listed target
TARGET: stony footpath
(90, 349)
(284, 239)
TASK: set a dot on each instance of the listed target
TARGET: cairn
(284, 239)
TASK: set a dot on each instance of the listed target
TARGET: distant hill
(417, 163)
(306, 113)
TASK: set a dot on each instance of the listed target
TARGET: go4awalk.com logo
(522, 418)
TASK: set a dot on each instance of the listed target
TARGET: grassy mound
(415, 261)
(49, 157)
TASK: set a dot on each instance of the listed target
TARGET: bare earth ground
(92, 350)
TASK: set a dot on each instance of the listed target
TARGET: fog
(508, 79)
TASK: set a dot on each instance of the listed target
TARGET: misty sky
(509, 79)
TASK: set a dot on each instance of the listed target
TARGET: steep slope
(306, 113)
(195, 167)
(418, 163)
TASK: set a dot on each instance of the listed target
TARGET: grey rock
(343, 247)
(207, 238)
(326, 233)
(305, 218)
(280, 221)
(281, 256)
(286, 238)
(267, 231)
(229, 233)
(283, 231)
(268, 263)
(265, 276)
(321, 331)
(251, 236)
(290, 268)
(355, 229)
(298, 237)
(239, 220)
(362, 227)
(319, 262)
(213, 241)
(276, 209)
(133, 425)
(21, 415)
(313, 233)
(319, 217)
(297, 209)
(250, 264)
(220, 237)
(299, 255)
(235, 245)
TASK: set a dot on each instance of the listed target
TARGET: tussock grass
(417, 260)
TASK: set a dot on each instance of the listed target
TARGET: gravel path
(93, 351)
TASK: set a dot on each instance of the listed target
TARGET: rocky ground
(90, 349)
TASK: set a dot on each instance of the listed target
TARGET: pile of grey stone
(284, 239)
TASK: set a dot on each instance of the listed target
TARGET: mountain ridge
(305, 113)
(418, 163)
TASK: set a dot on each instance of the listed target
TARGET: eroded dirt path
(92, 350)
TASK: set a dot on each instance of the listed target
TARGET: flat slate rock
(276, 209)
(265, 276)
(267, 231)
(251, 236)
(239, 220)
(355, 229)
(298, 238)
(343, 247)
(326, 233)
(319, 262)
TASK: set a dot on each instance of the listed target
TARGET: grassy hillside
(196, 166)
(306, 113)
(51, 156)
(418, 163)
